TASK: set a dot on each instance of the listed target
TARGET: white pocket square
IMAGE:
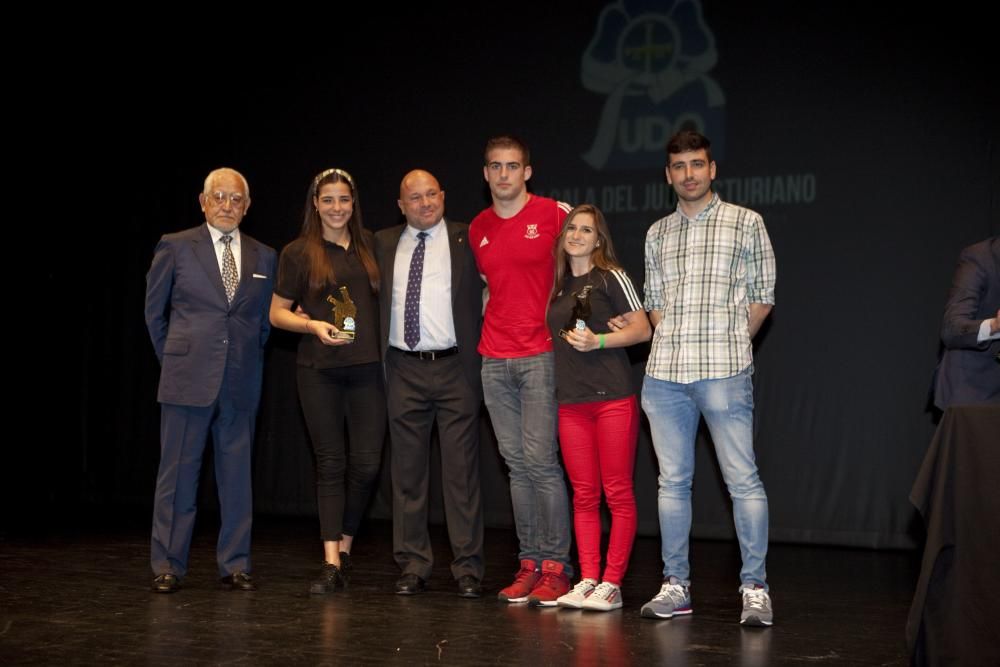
(260, 275)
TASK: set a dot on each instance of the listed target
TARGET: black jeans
(345, 470)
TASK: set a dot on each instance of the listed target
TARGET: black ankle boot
(345, 568)
(327, 580)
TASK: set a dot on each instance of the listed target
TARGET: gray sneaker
(672, 600)
(756, 607)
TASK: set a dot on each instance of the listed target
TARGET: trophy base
(344, 335)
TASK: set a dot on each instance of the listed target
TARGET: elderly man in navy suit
(207, 297)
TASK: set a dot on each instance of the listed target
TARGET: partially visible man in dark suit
(431, 310)
(969, 371)
(207, 297)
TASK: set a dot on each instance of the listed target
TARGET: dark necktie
(411, 311)
(230, 278)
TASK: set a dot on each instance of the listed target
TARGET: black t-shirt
(293, 283)
(597, 375)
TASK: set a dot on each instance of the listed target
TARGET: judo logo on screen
(652, 62)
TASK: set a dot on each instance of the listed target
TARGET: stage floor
(82, 597)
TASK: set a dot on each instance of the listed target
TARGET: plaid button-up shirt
(702, 274)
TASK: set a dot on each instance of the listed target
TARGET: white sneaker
(576, 597)
(605, 597)
(756, 607)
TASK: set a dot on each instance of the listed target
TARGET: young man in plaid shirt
(709, 286)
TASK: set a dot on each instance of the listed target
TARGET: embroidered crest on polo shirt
(485, 241)
(532, 232)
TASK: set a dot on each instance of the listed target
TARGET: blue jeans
(520, 396)
(673, 410)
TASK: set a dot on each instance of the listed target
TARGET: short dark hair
(507, 141)
(688, 140)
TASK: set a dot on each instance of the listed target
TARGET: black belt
(429, 355)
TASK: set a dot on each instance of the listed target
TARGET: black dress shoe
(166, 583)
(469, 586)
(409, 584)
(239, 581)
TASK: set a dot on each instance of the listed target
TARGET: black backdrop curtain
(867, 143)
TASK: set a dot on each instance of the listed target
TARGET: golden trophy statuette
(344, 312)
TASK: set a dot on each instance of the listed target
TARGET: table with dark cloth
(955, 615)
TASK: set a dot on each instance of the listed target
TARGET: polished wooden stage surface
(80, 596)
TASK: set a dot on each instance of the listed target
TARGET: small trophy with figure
(344, 312)
(580, 313)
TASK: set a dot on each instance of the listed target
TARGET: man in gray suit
(969, 371)
(431, 306)
(207, 297)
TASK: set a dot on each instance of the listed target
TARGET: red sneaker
(552, 584)
(524, 582)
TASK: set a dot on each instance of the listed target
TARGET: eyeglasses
(236, 199)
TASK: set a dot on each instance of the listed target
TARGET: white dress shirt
(437, 325)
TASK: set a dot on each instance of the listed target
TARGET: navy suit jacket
(199, 338)
(466, 294)
(969, 371)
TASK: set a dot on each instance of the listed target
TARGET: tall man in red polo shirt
(512, 241)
